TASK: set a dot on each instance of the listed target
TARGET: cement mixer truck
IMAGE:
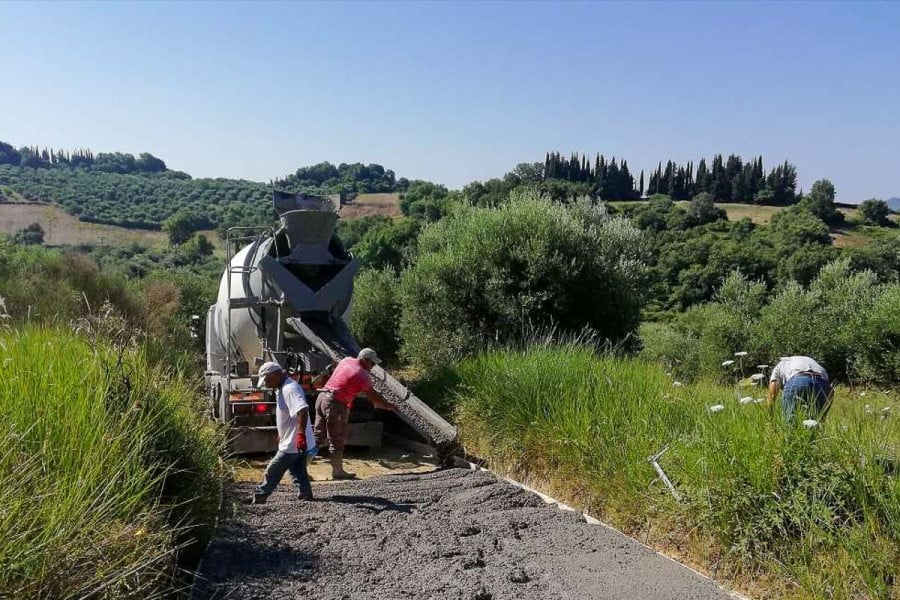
(285, 295)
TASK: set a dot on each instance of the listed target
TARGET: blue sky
(453, 92)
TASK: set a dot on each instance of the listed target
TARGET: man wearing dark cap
(350, 378)
(291, 417)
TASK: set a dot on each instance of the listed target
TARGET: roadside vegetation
(781, 510)
(109, 471)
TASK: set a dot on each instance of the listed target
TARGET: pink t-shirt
(348, 380)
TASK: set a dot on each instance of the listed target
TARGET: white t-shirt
(290, 400)
(789, 366)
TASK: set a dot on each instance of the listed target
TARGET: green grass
(107, 470)
(781, 510)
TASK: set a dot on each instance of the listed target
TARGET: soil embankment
(452, 534)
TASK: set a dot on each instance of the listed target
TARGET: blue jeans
(806, 392)
(295, 463)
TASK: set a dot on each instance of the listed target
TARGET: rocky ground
(451, 534)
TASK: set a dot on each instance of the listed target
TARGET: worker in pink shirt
(350, 378)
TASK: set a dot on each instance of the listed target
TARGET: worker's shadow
(374, 503)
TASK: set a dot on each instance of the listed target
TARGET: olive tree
(488, 276)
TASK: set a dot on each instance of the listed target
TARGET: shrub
(53, 286)
(875, 212)
(877, 340)
(390, 243)
(424, 200)
(352, 231)
(845, 319)
(375, 316)
(823, 321)
(702, 210)
(672, 347)
(714, 331)
(486, 276)
(32, 235)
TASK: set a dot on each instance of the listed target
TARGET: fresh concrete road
(452, 534)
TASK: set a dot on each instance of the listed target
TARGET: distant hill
(141, 193)
(894, 204)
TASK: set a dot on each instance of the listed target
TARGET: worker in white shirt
(804, 384)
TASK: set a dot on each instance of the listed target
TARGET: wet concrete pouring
(447, 534)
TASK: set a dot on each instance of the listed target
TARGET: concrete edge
(465, 464)
(215, 528)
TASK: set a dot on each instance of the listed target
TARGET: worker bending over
(805, 385)
(350, 378)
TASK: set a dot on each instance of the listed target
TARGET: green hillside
(119, 189)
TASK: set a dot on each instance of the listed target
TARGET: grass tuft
(107, 470)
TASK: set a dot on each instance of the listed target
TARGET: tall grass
(814, 512)
(106, 467)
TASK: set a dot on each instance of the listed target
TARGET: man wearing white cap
(291, 418)
(350, 378)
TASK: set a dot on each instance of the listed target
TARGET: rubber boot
(337, 466)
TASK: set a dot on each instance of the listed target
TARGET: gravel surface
(451, 534)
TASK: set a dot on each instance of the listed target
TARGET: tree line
(107, 162)
(725, 180)
(609, 180)
(325, 177)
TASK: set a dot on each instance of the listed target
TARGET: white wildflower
(727, 363)
(677, 383)
(810, 423)
(746, 400)
(886, 409)
(862, 394)
(869, 409)
(756, 377)
(759, 401)
(741, 353)
(716, 408)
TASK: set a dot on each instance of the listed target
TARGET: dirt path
(452, 534)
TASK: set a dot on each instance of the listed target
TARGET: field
(844, 237)
(62, 229)
(365, 205)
